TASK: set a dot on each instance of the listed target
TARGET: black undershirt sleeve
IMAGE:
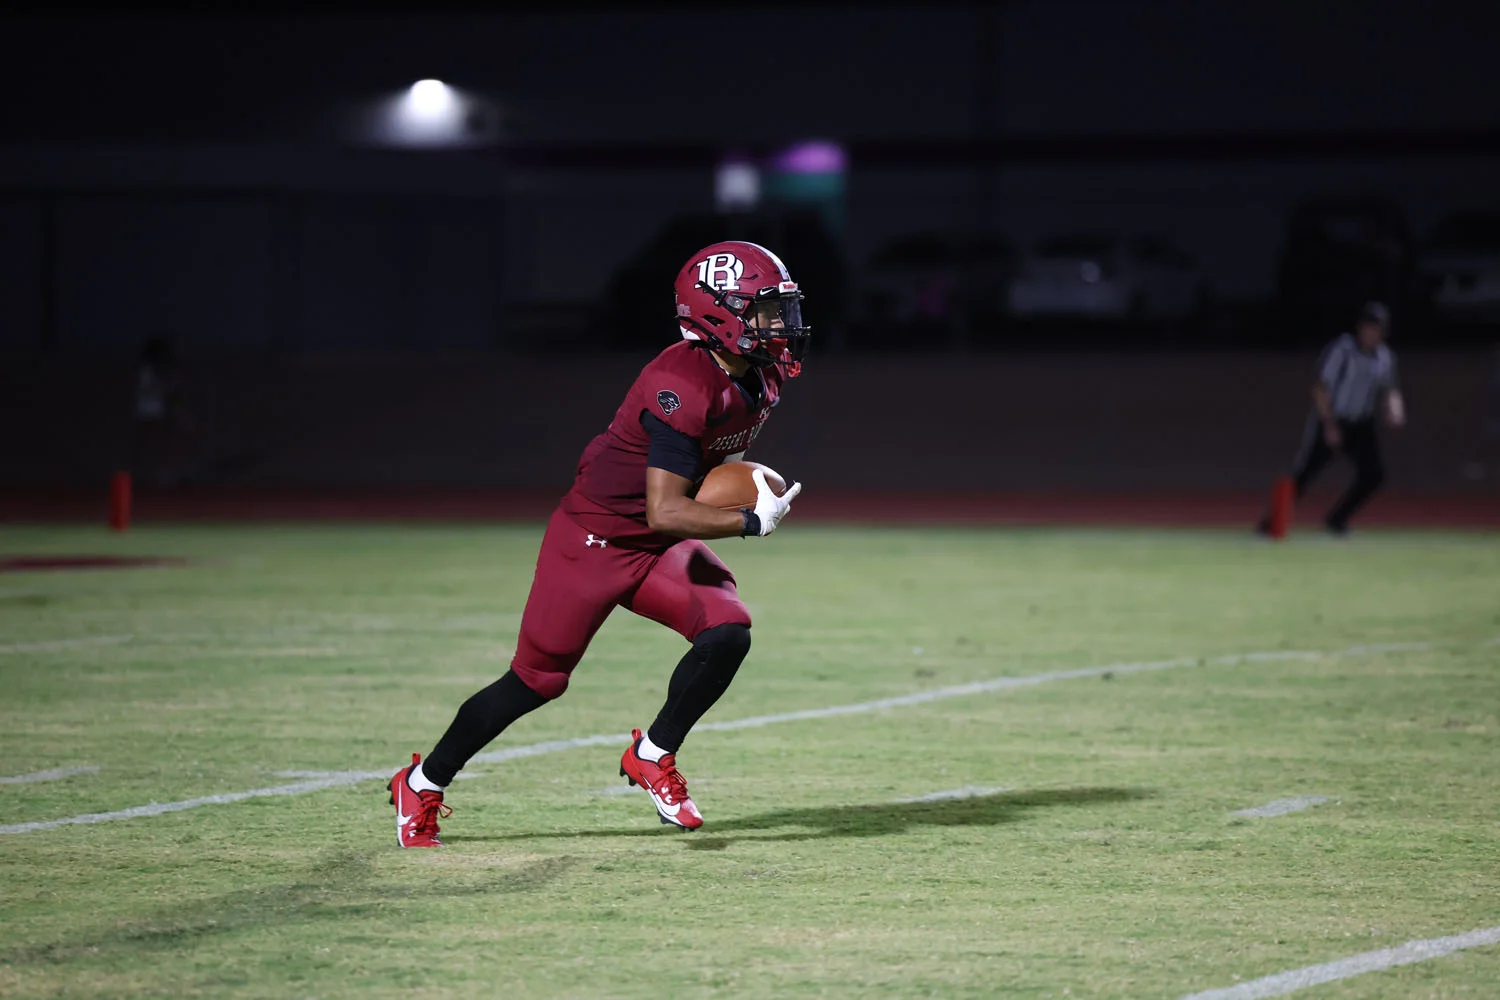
(671, 449)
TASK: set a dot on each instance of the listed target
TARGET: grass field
(1090, 847)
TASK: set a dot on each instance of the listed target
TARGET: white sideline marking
(905, 700)
(52, 774)
(1355, 965)
(1388, 647)
(158, 808)
(57, 645)
(337, 778)
(339, 774)
(1283, 806)
(966, 792)
(997, 684)
(554, 746)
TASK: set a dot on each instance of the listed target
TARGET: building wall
(1081, 422)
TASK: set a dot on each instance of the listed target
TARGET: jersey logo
(721, 271)
(668, 401)
(603, 543)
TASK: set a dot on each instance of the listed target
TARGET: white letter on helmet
(726, 265)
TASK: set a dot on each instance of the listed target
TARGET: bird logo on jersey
(668, 401)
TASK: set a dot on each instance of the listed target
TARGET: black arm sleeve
(671, 449)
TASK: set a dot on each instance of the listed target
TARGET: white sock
(419, 782)
(650, 751)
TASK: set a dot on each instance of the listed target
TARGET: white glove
(769, 507)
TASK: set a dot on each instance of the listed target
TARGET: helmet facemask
(771, 324)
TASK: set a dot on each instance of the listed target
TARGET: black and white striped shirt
(1355, 380)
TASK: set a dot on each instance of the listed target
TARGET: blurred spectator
(162, 423)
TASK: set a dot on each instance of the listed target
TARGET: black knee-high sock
(700, 678)
(479, 720)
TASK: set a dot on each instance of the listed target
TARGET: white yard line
(52, 774)
(158, 808)
(620, 740)
(1001, 684)
(1283, 806)
(1388, 647)
(59, 645)
(1283, 983)
(336, 779)
(462, 775)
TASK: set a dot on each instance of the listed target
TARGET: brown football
(730, 486)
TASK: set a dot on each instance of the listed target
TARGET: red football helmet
(738, 297)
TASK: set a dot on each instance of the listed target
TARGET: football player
(629, 533)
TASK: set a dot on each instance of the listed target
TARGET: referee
(1356, 382)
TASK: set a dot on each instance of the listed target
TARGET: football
(730, 486)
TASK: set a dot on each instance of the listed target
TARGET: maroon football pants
(580, 578)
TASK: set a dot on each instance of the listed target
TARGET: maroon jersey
(686, 389)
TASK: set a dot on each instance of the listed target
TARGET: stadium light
(429, 113)
(431, 100)
(737, 186)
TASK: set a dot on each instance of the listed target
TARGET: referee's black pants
(1362, 446)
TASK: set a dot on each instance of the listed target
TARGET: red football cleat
(416, 812)
(666, 785)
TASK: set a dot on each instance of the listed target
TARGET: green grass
(1111, 866)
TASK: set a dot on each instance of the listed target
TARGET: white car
(1085, 277)
(1461, 268)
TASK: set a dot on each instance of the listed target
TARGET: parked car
(936, 285)
(1460, 269)
(1338, 252)
(1139, 280)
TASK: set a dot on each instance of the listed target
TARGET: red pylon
(119, 501)
(1283, 495)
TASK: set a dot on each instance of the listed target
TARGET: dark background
(351, 314)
